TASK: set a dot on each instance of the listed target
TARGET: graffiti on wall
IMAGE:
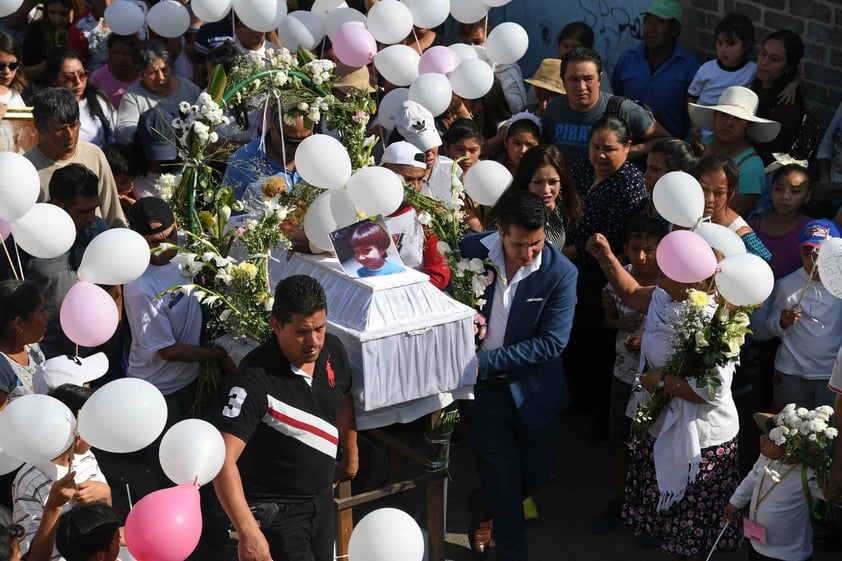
(617, 26)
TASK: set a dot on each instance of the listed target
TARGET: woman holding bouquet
(697, 427)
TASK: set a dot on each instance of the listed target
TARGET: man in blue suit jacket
(520, 388)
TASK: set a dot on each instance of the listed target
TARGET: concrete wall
(617, 24)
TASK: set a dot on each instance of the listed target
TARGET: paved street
(579, 490)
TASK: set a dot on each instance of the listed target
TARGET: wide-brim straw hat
(741, 103)
(353, 78)
(548, 76)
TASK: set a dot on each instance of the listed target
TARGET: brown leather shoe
(480, 527)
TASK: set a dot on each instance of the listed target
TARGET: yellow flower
(248, 270)
(697, 298)
(207, 219)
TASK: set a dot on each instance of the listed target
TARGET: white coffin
(408, 342)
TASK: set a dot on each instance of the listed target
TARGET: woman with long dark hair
(64, 69)
(12, 81)
(777, 66)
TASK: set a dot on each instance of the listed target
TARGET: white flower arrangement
(807, 436)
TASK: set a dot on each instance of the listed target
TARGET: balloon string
(129, 496)
(719, 537)
(20, 266)
(417, 42)
(9, 258)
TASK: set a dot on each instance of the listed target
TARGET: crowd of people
(579, 316)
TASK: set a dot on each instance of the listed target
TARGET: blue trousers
(512, 461)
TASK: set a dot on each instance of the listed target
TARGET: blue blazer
(537, 331)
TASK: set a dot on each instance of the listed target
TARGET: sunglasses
(10, 65)
(81, 76)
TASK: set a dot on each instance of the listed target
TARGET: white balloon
(389, 21)
(679, 198)
(432, 90)
(319, 222)
(398, 64)
(468, 11)
(486, 180)
(123, 17)
(464, 51)
(386, 534)
(830, 265)
(721, 238)
(472, 79)
(389, 106)
(116, 256)
(342, 207)
(168, 18)
(323, 7)
(341, 15)
(8, 464)
(19, 186)
(495, 3)
(210, 10)
(301, 28)
(36, 428)
(744, 279)
(506, 43)
(123, 416)
(192, 450)
(376, 190)
(9, 7)
(40, 241)
(321, 160)
(261, 15)
(428, 14)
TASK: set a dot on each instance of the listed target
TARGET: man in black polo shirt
(289, 410)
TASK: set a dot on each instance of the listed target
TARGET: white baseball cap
(404, 154)
(66, 369)
(417, 125)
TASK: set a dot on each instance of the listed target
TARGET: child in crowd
(808, 320)
(779, 232)
(522, 133)
(125, 167)
(370, 242)
(41, 493)
(780, 488)
(89, 532)
(10, 537)
(643, 234)
(464, 140)
(719, 178)
(734, 41)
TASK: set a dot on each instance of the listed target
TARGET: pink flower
(360, 117)
(480, 326)
(239, 232)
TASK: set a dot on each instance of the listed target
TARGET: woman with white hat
(736, 127)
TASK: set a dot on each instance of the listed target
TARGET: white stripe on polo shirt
(302, 426)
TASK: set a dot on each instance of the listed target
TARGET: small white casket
(406, 339)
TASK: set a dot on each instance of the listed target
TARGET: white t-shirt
(711, 80)
(12, 99)
(157, 323)
(835, 382)
(90, 128)
(783, 508)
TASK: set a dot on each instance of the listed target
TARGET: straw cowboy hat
(548, 76)
(741, 103)
(353, 78)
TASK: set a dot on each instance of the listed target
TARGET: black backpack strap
(614, 103)
(746, 157)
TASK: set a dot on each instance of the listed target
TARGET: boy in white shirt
(780, 489)
(808, 319)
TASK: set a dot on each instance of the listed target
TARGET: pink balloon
(438, 59)
(5, 229)
(353, 44)
(685, 256)
(165, 525)
(88, 314)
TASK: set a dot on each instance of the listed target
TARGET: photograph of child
(366, 249)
